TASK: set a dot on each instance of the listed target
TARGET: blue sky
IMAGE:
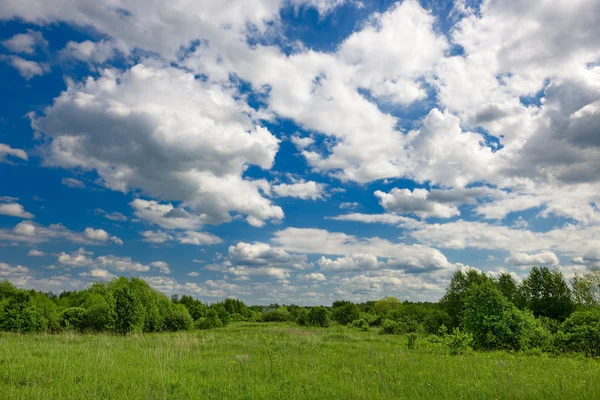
(297, 150)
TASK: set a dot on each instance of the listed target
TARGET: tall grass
(268, 361)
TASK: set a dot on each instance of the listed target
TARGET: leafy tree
(210, 321)
(302, 318)
(346, 313)
(319, 316)
(17, 311)
(586, 289)
(494, 322)
(507, 285)
(280, 314)
(129, 309)
(385, 306)
(73, 318)
(581, 333)
(546, 293)
(434, 320)
(179, 319)
(453, 302)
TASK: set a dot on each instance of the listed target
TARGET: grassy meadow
(278, 361)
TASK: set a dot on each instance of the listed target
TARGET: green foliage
(389, 327)
(73, 318)
(507, 285)
(346, 313)
(586, 289)
(412, 341)
(434, 320)
(453, 302)
(17, 311)
(361, 324)
(179, 319)
(319, 316)
(211, 321)
(129, 309)
(385, 306)
(546, 294)
(302, 318)
(495, 323)
(458, 342)
(580, 333)
(280, 314)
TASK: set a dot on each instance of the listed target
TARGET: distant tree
(586, 289)
(179, 319)
(495, 323)
(581, 333)
(385, 306)
(211, 320)
(129, 310)
(434, 320)
(453, 302)
(507, 285)
(346, 313)
(319, 316)
(302, 318)
(73, 318)
(546, 294)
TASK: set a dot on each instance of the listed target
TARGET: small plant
(412, 341)
(458, 342)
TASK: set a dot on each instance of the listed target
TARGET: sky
(297, 151)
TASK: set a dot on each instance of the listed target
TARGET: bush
(179, 319)
(388, 327)
(280, 314)
(346, 314)
(434, 320)
(302, 318)
(130, 312)
(458, 342)
(580, 333)
(495, 323)
(361, 324)
(412, 340)
(73, 318)
(211, 321)
(18, 314)
(319, 316)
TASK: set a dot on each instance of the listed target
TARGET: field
(277, 361)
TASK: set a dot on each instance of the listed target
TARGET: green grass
(277, 361)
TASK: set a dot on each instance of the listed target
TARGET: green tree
(129, 310)
(319, 316)
(546, 294)
(346, 313)
(495, 323)
(581, 333)
(73, 318)
(453, 302)
(385, 306)
(507, 285)
(586, 289)
(179, 319)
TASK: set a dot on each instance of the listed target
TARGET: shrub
(458, 342)
(179, 319)
(412, 341)
(495, 323)
(130, 312)
(346, 313)
(319, 316)
(580, 333)
(388, 327)
(280, 314)
(361, 324)
(73, 318)
(434, 320)
(211, 321)
(302, 318)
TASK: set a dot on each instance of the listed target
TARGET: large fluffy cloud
(187, 141)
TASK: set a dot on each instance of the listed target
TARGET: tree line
(541, 313)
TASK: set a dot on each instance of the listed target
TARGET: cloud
(98, 273)
(30, 232)
(73, 183)
(403, 201)
(206, 152)
(90, 52)
(162, 266)
(312, 277)
(360, 253)
(193, 274)
(26, 68)
(14, 210)
(36, 253)
(262, 254)
(156, 236)
(544, 258)
(101, 235)
(26, 43)
(113, 216)
(9, 272)
(302, 190)
(6, 150)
